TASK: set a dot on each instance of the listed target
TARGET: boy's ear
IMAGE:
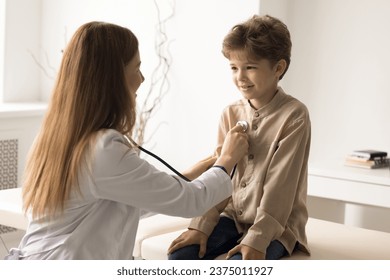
(280, 67)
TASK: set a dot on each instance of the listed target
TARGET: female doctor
(84, 183)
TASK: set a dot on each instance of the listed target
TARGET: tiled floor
(9, 240)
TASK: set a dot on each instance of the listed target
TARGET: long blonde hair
(90, 94)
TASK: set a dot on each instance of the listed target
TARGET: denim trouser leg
(224, 238)
(275, 251)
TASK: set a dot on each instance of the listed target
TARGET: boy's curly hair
(262, 37)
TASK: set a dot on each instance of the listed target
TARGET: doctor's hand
(248, 253)
(234, 148)
(190, 237)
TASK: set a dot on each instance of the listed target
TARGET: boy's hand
(248, 253)
(190, 237)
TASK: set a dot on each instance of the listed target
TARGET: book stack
(368, 159)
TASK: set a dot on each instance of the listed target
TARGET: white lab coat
(102, 224)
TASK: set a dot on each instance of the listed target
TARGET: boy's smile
(256, 79)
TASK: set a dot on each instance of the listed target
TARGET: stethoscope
(243, 124)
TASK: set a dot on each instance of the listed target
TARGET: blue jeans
(224, 238)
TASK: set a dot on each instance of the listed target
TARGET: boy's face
(257, 80)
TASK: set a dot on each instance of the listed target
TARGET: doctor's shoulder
(109, 147)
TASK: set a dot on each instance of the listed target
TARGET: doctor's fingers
(237, 128)
(238, 133)
(241, 141)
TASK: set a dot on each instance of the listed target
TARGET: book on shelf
(369, 154)
(355, 161)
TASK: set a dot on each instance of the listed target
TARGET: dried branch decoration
(159, 85)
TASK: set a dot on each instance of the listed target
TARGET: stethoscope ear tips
(244, 125)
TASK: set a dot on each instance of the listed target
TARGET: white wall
(61, 18)
(339, 69)
(22, 43)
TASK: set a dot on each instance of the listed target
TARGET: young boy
(265, 218)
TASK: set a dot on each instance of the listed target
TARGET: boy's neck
(258, 104)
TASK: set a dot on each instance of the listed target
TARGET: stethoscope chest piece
(244, 125)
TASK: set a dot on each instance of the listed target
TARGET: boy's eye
(234, 68)
(250, 67)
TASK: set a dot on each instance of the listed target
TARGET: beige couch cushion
(156, 225)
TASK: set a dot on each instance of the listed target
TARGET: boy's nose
(241, 76)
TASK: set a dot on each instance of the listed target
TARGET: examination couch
(327, 240)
